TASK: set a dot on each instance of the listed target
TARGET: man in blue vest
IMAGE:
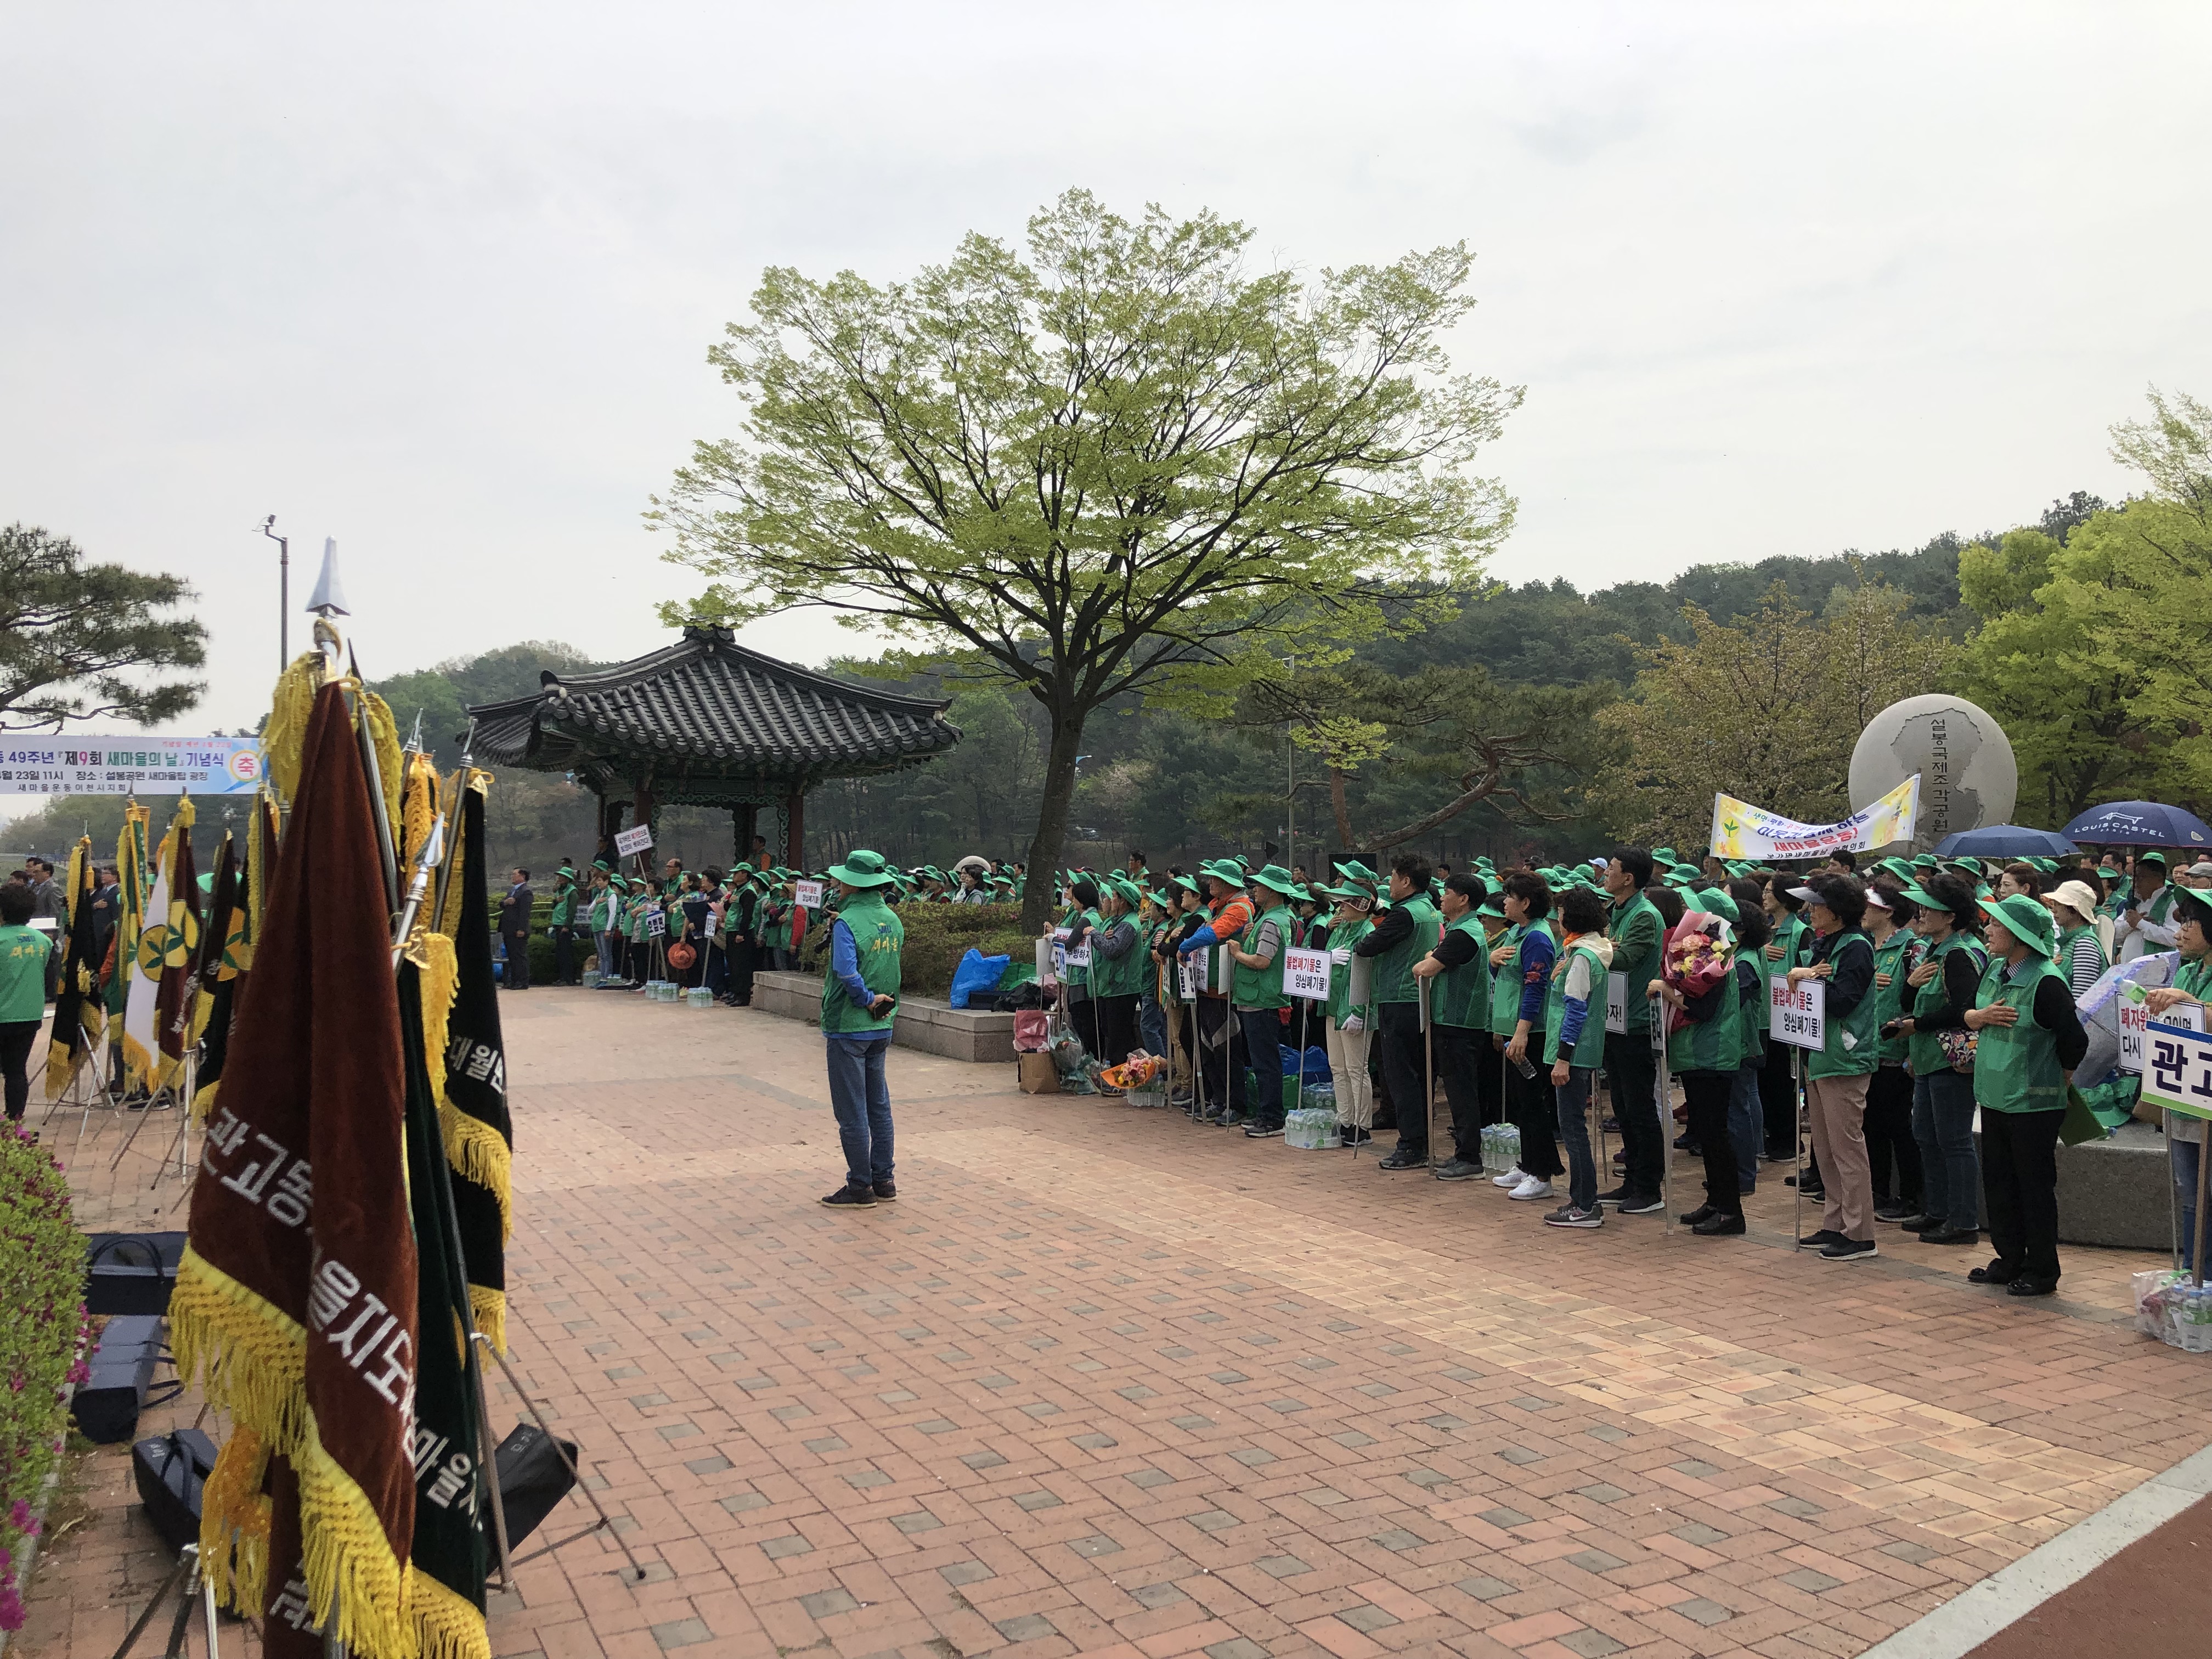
(859, 995)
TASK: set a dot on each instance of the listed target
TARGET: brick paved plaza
(1105, 1382)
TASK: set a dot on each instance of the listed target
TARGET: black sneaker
(1850, 1249)
(1820, 1240)
(2025, 1286)
(1996, 1273)
(1915, 1222)
(1704, 1212)
(1403, 1157)
(851, 1198)
(1615, 1199)
(1721, 1224)
(1229, 1121)
(1641, 1204)
(1261, 1131)
(1457, 1169)
(1940, 1235)
(1353, 1135)
(886, 1192)
(1894, 1210)
(1611, 1126)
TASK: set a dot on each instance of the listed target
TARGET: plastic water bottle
(1509, 1147)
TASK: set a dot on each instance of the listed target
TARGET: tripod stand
(196, 1586)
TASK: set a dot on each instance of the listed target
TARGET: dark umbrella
(2004, 841)
(2141, 823)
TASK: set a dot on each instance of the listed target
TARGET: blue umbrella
(2141, 823)
(2004, 841)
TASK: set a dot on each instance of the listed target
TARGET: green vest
(564, 905)
(23, 954)
(1924, 1050)
(1460, 996)
(1893, 957)
(1342, 936)
(2194, 977)
(1712, 1045)
(1122, 975)
(1262, 987)
(1394, 968)
(1642, 967)
(1751, 1037)
(878, 933)
(2016, 1067)
(1079, 978)
(1862, 1053)
(1588, 1052)
(1505, 988)
(2066, 949)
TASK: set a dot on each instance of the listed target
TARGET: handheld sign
(1798, 1014)
(1305, 973)
(656, 924)
(637, 839)
(1078, 955)
(1047, 962)
(2178, 1069)
(1616, 1002)
(808, 894)
(2135, 1022)
(1190, 974)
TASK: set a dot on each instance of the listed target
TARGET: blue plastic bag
(1316, 1064)
(977, 972)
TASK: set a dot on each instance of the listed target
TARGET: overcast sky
(440, 282)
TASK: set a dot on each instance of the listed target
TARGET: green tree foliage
(83, 641)
(2092, 652)
(1123, 466)
(1767, 711)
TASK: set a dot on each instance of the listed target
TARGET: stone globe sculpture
(1968, 777)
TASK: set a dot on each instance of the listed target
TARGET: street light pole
(283, 593)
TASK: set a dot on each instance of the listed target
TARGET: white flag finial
(329, 597)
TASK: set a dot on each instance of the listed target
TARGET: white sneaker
(1509, 1180)
(1531, 1188)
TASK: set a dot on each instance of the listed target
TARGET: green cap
(1715, 902)
(1224, 870)
(862, 868)
(1897, 868)
(2026, 918)
(2106, 871)
(1278, 878)
(1355, 870)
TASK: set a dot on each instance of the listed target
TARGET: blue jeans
(2185, 1154)
(1153, 1026)
(1574, 1137)
(861, 1098)
(1747, 1123)
(1943, 1124)
(1263, 1053)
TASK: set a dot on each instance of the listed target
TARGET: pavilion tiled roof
(707, 707)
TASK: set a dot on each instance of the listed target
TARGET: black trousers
(744, 958)
(1633, 1071)
(1778, 1100)
(1109, 1027)
(1532, 1108)
(1489, 1078)
(564, 967)
(16, 1036)
(517, 961)
(1460, 1054)
(1889, 1136)
(2019, 1184)
(1219, 1060)
(1405, 1069)
(1707, 1093)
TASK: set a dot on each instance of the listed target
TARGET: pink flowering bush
(42, 1340)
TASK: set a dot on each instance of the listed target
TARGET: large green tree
(1123, 464)
(82, 641)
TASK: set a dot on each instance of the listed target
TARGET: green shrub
(41, 1340)
(936, 937)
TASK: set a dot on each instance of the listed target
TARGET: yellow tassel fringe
(488, 1311)
(349, 1557)
(284, 737)
(384, 732)
(235, 1517)
(249, 1357)
(449, 1625)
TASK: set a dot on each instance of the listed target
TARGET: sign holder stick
(1428, 1073)
(1228, 1033)
(1797, 1118)
(1663, 1101)
(2197, 1256)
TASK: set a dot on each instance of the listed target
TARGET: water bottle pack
(1311, 1129)
(2175, 1311)
(1318, 1097)
(699, 996)
(1501, 1148)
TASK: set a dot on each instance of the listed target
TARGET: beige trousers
(1837, 1108)
(1348, 1068)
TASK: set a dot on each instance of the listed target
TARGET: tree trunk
(1343, 810)
(1053, 809)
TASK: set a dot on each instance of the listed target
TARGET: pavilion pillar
(794, 841)
(741, 833)
(610, 817)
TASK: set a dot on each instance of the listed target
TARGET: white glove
(1351, 1023)
(1342, 958)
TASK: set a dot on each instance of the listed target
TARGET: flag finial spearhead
(329, 596)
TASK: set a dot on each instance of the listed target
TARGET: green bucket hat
(1665, 853)
(1490, 908)
(2027, 920)
(1897, 868)
(862, 868)
(1226, 870)
(1926, 861)
(2046, 866)
(1276, 877)
(2106, 871)
(1132, 895)
(1963, 863)
(1354, 870)
(1714, 903)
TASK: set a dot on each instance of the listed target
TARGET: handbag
(1956, 1045)
(533, 1476)
(131, 1273)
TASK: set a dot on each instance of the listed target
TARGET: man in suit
(514, 930)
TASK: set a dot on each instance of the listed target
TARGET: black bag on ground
(107, 1404)
(131, 1273)
(171, 1470)
(533, 1476)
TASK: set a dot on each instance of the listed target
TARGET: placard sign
(808, 894)
(1190, 974)
(631, 841)
(2134, 1024)
(2178, 1069)
(1798, 1014)
(656, 924)
(1077, 956)
(1616, 1002)
(78, 765)
(1305, 973)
